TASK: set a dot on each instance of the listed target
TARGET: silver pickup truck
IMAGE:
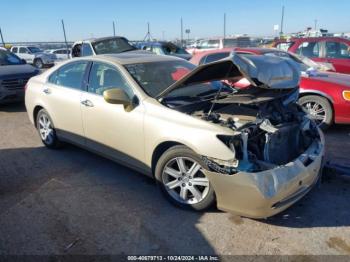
(34, 55)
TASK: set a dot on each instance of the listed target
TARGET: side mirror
(119, 97)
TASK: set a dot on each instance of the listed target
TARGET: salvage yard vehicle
(324, 95)
(252, 151)
(34, 55)
(334, 51)
(14, 74)
(61, 54)
(99, 46)
(164, 48)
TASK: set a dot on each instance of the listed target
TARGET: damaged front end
(277, 151)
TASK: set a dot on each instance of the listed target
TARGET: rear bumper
(264, 194)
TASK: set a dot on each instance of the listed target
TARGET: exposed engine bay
(269, 132)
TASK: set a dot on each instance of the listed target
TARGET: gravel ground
(71, 201)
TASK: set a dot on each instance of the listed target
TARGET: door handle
(47, 91)
(87, 103)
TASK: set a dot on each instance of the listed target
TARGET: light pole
(65, 38)
(113, 29)
(182, 33)
(2, 38)
(224, 26)
(282, 18)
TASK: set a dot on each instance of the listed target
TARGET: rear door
(338, 54)
(109, 128)
(62, 95)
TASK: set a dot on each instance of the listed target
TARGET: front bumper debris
(266, 193)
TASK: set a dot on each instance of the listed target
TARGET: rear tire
(180, 177)
(47, 130)
(319, 109)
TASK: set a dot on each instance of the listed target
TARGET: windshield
(8, 58)
(112, 46)
(34, 49)
(155, 77)
(173, 49)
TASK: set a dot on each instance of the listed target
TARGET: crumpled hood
(7, 71)
(267, 72)
(329, 77)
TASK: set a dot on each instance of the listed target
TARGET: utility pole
(148, 36)
(113, 29)
(182, 33)
(2, 38)
(281, 33)
(65, 38)
(224, 26)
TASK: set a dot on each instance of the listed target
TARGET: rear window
(112, 46)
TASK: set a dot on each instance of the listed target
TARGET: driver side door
(110, 129)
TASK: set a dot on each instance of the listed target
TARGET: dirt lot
(74, 202)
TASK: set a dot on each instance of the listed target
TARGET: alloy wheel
(45, 129)
(315, 111)
(184, 180)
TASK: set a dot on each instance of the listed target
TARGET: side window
(337, 50)
(309, 49)
(216, 57)
(86, 50)
(284, 46)
(14, 50)
(103, 77)
(70, 75)
(23, 50)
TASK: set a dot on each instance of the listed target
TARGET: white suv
(34, 55)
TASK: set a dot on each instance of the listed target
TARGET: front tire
(179, 174)
(319, 109)
(46, 130)
(38, 63)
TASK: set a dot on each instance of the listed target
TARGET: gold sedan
(251, 151)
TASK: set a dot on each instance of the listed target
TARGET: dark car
(101, 46)
(14, 74)
(164, 48)
(334, 51)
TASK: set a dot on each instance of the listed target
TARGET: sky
(40, 20)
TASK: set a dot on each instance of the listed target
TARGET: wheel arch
(320, 94)
(35, 112)
(159, 150)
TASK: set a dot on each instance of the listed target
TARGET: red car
(331, 50)
(325, 95)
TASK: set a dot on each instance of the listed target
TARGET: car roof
(134, 57)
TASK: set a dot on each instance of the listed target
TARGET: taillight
(25, 87)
